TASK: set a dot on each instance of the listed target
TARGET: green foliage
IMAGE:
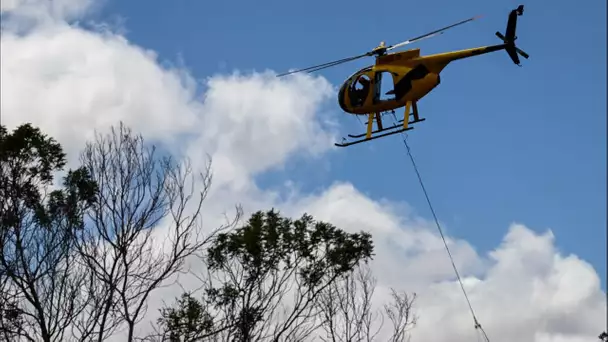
(186, 321)
(256, 266)
(28, 149)
(37, 233)
(69, 203)
(29, 158)
(269, 242)
(266, 257)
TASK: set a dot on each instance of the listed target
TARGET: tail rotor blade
(509, 37)
(522, 53)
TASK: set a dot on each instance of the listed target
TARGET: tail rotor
(509, 37)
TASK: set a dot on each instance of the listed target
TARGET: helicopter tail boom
(437, 62)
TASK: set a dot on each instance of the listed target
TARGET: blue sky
(500, 143)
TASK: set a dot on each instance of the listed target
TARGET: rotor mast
(380, 50)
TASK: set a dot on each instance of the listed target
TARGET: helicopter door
(385, 86)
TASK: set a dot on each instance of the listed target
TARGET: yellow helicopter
(413, 76)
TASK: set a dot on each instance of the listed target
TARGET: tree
(399, 312)
(39, 279)
(346, 312)
(141, 230)
(187, 321)
(346, 308)
(266, 276)
(80, 261)
(349, 314)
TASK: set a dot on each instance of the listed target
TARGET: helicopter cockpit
(359, 90)
(366, 84)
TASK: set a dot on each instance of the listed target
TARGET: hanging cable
(409, 153)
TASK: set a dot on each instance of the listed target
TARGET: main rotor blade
(431, 34)
(377, 51)
(325, 65)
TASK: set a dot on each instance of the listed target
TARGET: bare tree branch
(348, 313)
(144, 226)
(346, 308)
(399, 312)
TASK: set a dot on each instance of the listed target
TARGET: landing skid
(401, 126)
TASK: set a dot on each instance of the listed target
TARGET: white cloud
(524, 290)
(48, 10)
(344, 206)
(253, 123)
(92, 80)
(71, 81)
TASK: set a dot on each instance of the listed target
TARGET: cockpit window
(359, 90)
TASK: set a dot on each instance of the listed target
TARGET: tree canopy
(38, 277)
(81, 258)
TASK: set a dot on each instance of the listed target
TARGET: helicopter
(413, 77)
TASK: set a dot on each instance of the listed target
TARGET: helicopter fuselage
(413, 77)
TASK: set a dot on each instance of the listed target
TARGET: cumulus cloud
(72, 81)
(346, 207)
(524, 290)
(254, 123)
(83, 80)
(46, 11)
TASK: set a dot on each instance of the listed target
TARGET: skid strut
(371, 134)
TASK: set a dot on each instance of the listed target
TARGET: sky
(514, 159)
